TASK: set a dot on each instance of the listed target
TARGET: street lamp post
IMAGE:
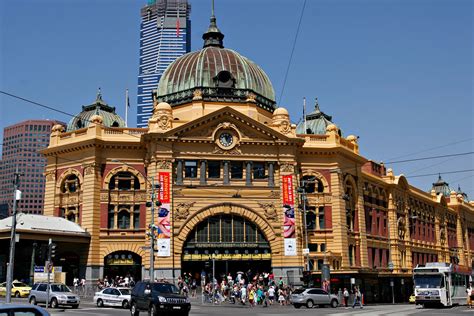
(11, 262)
(302, 192)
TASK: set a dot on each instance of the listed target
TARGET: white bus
(440, 283)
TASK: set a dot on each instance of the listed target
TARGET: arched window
(312, 184)
(124, 180)
(123, 219)
(70, 184)
(115, 124)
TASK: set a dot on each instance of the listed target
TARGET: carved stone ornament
(275, 194)
(231, 152)
(197, 95)
(164, 164)
(285, 127)
(287, 167)
(270, 211)
(164, 122)
(251, 97)
(50, 176)
(104, 197)
(90, 168)
(401, 228)
(182, 210)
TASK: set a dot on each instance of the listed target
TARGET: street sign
(305, 251)
(390, 265)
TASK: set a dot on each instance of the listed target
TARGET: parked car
(113, 297)
(19, 289)
(59, 294)
(311, 297)
(23, 310)
(158, 297)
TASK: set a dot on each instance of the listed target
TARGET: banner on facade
(289, 225)
(164, 215)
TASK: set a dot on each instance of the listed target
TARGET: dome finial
(213, 36)
(99, 95)
(316, 106)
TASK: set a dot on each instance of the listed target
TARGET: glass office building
(165, 34)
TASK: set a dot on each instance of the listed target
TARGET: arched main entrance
(123, 264)
(233, 243)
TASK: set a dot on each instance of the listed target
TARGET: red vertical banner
(289, 221)
(164, 215)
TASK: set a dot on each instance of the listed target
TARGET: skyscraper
(165, 34)
(21, 143)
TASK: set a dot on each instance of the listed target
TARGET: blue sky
(399, 74)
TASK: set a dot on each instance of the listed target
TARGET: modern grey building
(165, 34)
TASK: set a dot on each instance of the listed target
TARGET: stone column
(226, 172)
(202, 172)
(179, 172)
(248, 173)
(271, 174)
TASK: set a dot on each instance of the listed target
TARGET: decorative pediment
(247, 128)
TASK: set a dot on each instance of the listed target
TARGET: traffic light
(51, 251)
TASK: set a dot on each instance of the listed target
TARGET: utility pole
(11, 262)
(49, 266)
(32, 263)
(302, 192)
(152, 226)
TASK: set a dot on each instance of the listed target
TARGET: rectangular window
(250, 232)
(236, 170)
(214, 230)
(110, 218)
(190, 169)
(321, 218)
(258, 170)
(238, 231)
(136, 216)
(213, 169)
(226, 229)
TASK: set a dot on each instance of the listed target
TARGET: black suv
(158, 298)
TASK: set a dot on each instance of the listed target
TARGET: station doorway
(229, 242)
(123, 264)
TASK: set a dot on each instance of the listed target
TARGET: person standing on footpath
(470, 295)
(346, 297)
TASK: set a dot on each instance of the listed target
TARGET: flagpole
(126, 107)
(304, 114)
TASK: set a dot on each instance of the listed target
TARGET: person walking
(357, 298)
(346, 297)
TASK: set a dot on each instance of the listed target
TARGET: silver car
(113, 297)
(311, 297)
(59, 294)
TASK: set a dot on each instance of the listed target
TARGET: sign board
(390, 265)
(392, 283)
(17, 237)
(290, 246)
(353, 281)
(305, 251)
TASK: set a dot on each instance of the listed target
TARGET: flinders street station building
(232, 181)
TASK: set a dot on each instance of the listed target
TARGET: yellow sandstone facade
(235, 162)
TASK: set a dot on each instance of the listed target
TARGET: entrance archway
(230, 243)
(123, 264)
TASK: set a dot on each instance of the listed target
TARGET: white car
(113, 297)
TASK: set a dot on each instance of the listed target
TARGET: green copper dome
(99, 107)
(218, 73)
(315, 122)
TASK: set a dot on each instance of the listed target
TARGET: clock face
(226, 139)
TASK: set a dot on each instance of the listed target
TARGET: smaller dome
(280, 111)
(441, 187)
(90, 112)
(315, 122)
(332, 128)
(163, 106)
(96, 119)
(57, 128)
